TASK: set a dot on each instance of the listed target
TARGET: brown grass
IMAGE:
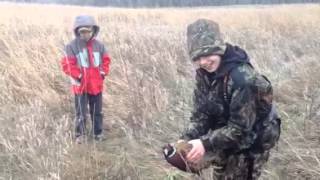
(148, 94)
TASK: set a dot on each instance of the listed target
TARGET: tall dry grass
(148, 95)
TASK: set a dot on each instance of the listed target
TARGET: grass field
(148, 95)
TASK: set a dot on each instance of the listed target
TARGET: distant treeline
(166, 3)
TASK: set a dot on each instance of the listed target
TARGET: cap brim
(211, 50)
(83, 29)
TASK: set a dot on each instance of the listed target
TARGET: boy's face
(209, 63)
(86, 33)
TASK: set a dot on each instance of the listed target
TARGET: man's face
(86, 33)
(209, 63)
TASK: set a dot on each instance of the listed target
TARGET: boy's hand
(102, 74)
(79, 78)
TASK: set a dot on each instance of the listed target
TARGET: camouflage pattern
(204, 38)
(230, 128)
(233, 113)
(245, 87)
(241, 167)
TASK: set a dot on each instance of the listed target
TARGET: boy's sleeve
(69, 64)
(104, 70)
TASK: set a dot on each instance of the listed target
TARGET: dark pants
(95, 108)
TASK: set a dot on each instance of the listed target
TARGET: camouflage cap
(204, 38)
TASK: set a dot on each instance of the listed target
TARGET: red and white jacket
(86, 63)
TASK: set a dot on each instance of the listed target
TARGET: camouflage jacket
(228, 125)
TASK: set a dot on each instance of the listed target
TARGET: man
(234, 116)
(86, 62)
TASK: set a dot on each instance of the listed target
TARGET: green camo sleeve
(198, 125)
(237, 134)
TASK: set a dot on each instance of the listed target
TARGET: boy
(86, 62)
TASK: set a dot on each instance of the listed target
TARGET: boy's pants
(95, 108)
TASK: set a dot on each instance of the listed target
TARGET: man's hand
(197, 151)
